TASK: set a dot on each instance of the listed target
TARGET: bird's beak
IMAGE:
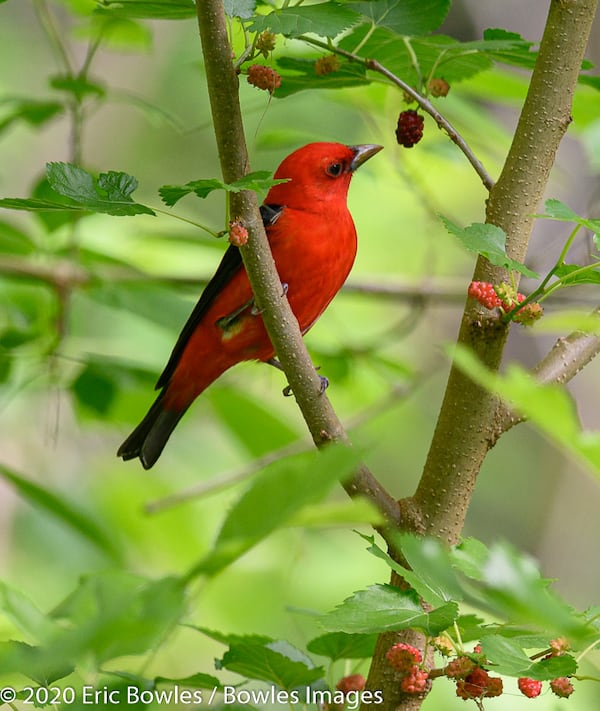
(362, 154)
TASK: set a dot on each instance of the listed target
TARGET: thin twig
(424, 103)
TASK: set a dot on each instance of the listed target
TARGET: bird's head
(317, 173)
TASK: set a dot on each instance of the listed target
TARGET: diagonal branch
(568, 356)
(280, 322)
(424, 103)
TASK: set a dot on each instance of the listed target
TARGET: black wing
(227, 269)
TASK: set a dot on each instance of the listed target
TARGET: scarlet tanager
(313, 241)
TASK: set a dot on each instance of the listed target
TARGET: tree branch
(280, 322)
(562, 363)
(466, 425)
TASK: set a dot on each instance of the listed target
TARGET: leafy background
(69, 508)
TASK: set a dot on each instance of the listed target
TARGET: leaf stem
(199, 225)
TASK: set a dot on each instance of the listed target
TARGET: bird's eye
(334, 169)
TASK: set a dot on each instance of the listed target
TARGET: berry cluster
(409, 130)
(506, 298)
(353, 682)
(327, 65)
(438, 87)
(469, 673)
(561, 686)
(238, 234)
(406, 659)
(263, 77)
(265, 42)
(478, 685)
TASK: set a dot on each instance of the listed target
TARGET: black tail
(149, 438)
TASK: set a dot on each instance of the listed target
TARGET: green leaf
(490, 242)
(572, 274)
(508, 48)
(110, 193)
(569, 320)
(275, 495)
(150, 9)
(196, 681)
(354, 512)
(115, 613)
(326, 19)
(95, 389)
(14, 240)
(52, 219)
(252, 424)
(382, 608)
(258, 180)
(275, 662)
(60, 508)
(404, 17)
(509, 658)
(548, 406)
(439, 52)
(430, 564)
(35, 205)
(23, 613)
(299, 74)
(22, 658)
(34, 113)
(340, 645)
(240, 8)
(557, 210)
(79, 87)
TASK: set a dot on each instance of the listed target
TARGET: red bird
(313, 240)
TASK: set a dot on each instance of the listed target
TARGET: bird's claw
(324, 384)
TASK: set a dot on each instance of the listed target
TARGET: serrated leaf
(429, 561)
(275, 662)
(239, 8)
(509, 658)
(326, 19)
(405, 17)
(150, 9)
(557, 210)
(68, 513)
(382, 608)
(110, 193)
(575, 274)
(340, 645)
(429, 593)
(488, 241)
(298, 74)
(258, 180)
(33, 662)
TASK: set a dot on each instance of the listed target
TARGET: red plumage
(313, 241)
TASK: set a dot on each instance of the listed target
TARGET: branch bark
(466, 425)
(280, 322)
